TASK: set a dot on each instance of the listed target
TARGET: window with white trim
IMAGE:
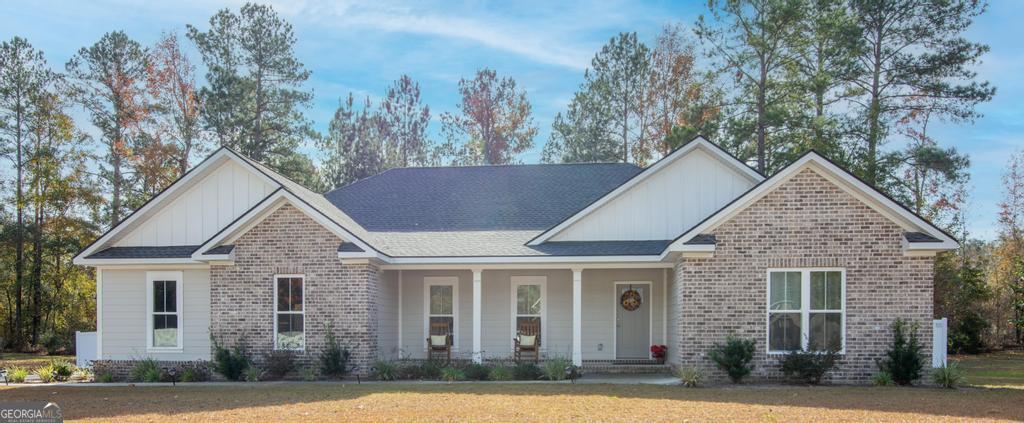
(289, 314)
(441, 310)
(806, 309)
(164, 309)
(528, 308)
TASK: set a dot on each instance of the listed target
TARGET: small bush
(195, 372)
(45, 373)
(410, 371)
(309, 374)
(334, 359)
(279, 363)
(809, 367)
(62, 369)
(554, 368)
(253, 374)
(83, 373)
(734, 357)
(949, 376)
(477, 371)
(56, 343)
(385, 370)
(882, 379)
(903, 360)
(17, 374)
(146, 370)
(431, 370)
(105, 378)
(500, 373)
(527, 371)
(690, 376)
(452, 374)
(231, 363)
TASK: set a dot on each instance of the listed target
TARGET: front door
(632, 320)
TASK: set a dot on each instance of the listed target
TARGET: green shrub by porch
(734, 357)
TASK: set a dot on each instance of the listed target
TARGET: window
(528, 304)
(164, 307)
(289, 317)
(806, 309)
(442, 296)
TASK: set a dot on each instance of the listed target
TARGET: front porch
(577, 309)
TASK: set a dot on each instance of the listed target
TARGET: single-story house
(599, 261)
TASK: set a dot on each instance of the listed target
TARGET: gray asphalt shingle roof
(477, 198)
(175, 251)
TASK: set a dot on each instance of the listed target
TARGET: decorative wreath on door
(631, 299)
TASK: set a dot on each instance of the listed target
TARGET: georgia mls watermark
(30, 412)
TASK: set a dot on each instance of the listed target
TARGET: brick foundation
(289, 242)
(806, 222)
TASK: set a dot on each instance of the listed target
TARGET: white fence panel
(85, 348)
(939, 342)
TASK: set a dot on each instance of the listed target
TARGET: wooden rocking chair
(527, 341)
(439, 341)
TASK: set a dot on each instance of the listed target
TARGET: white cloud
(543, 42)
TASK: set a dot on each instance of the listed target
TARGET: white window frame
(452, 281)
(518, 281)
(179, 282)
(805, 306)
(278, 313)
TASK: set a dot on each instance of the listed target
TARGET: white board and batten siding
(124, 316)
(665, 204)
(205, 208)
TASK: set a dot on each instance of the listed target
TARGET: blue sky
(361, 47)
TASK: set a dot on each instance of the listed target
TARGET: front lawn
(1001, 369)
(529, 402)
(30, 361)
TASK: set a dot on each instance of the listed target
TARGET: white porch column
(478, 356)
(577, 317)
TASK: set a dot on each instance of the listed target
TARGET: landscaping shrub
(410, 371)
(253, 374)
(554, 368)
(500, 373)
(734, 357)
(279, 363)
(146, 370)
(82, 373)
(45, 373)
(17, 374)
(195, 372)
(809, 367)
(949, 376)
(526, 371)
(309, 374)
(334, 359)
(385, 370)
(452, 374)
(62, 369)
(477, 371)
(231, 363)
(690, 376)
(882, 379)
(431, 369)
(903, 360)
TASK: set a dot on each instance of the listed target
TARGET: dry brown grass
(1004, 369)
(523, 402)
(30, 361)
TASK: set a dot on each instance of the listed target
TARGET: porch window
(528, 308)
(806, 310)
(442, 310)
(164, 308)
(289, 315)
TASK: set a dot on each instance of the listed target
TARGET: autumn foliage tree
(494, 123)
(171, 82)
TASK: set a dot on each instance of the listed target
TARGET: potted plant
(658, 352)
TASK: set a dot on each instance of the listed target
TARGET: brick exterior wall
(242, 295)
(806, 222)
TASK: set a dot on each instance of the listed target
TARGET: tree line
(766, 79)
